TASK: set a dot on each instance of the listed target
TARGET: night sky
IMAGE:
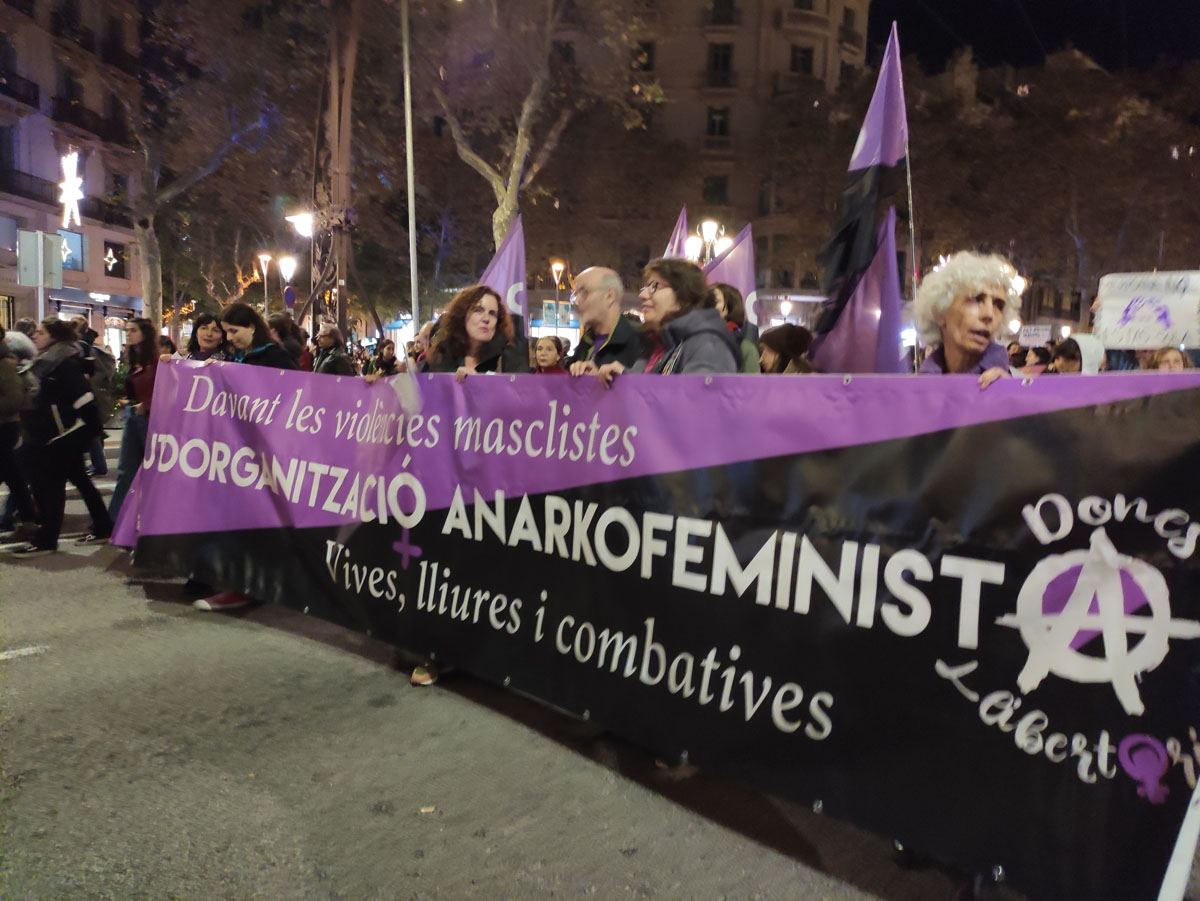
(1116, 33)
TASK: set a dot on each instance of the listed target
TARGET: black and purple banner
(967, 620)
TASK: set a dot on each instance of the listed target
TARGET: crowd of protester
(57, 388)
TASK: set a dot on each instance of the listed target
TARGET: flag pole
(912, 228)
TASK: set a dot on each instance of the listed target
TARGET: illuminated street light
(1014, 325)
(1065, 331)
(287, 268)
(693, 247)
(785, 307)
(713, 244)
(302, 223)
(265, 259)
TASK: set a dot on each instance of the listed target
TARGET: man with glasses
(607, 336)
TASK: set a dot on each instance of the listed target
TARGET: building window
(7, 308)
(802, 60)
(720, 57)
(847, 75)
(718, 122)
(8, 147)
(848, 17)
(115, 260)
(72, 250)
(723, 12)
(766, 190)
(8, 233)
(643, 57)
(802, 4)
(716, 190)
(565, 51)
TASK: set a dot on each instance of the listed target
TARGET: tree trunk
(150, 265)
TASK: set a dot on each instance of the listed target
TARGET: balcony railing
(114, 53)
(63, 27)
(13, 181)
(103, 211)
(23, 6)
(19, 88)
(718, 17)
(73, 112)
(718, 142)
(850, 37)
(804, 18)
(116, 131)
(720, 78)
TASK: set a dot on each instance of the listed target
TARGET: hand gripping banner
(967, 620)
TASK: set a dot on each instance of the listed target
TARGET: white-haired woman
(960, 309)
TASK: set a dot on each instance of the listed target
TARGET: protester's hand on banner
(608, 372)
(462, 372)
(585, 367)
(991, 375)
(372, 378)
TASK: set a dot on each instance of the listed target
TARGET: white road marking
(23, 652)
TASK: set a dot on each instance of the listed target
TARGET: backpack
(30, 386)
(104, 367)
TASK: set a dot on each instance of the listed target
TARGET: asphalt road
(150, 750)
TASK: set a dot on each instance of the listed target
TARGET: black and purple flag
(859, 328)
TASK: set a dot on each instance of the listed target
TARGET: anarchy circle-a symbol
(1049, 636)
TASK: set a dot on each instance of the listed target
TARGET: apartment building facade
(64, 67)
(722, 64)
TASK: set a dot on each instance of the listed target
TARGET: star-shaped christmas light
(72, 189)
(110, 259)
(66, 252)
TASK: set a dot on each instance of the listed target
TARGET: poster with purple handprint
(1149, 310)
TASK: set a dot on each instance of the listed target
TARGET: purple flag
(505, 274)
(860, 259)
(884, 133)
(736, 267)
(677, 246)
(866, 335)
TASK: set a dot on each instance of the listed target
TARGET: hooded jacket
(65, 403)
(695, 342)
(12, 389)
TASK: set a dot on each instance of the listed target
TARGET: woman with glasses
(682, 331)
(475, 335)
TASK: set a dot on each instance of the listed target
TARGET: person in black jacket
(608, 337)
(332, 358)
(250, 338)
(61, 424)
(476, 335)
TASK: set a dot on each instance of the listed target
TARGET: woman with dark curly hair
(475, 335)
(208, 340)
(682, 331)
(384, 362)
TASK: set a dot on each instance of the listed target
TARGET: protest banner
(1034, 335)
(1148, 310)
(967, 620)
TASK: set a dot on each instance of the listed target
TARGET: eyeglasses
(653, 287)
(577, 294)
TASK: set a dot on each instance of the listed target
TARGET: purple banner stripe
(239, 447)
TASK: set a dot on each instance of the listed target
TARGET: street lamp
(693, 247)
(785, 307)
(303, 223)
(556, 267)
(287, 268)
(265, 259)
(712, 240)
